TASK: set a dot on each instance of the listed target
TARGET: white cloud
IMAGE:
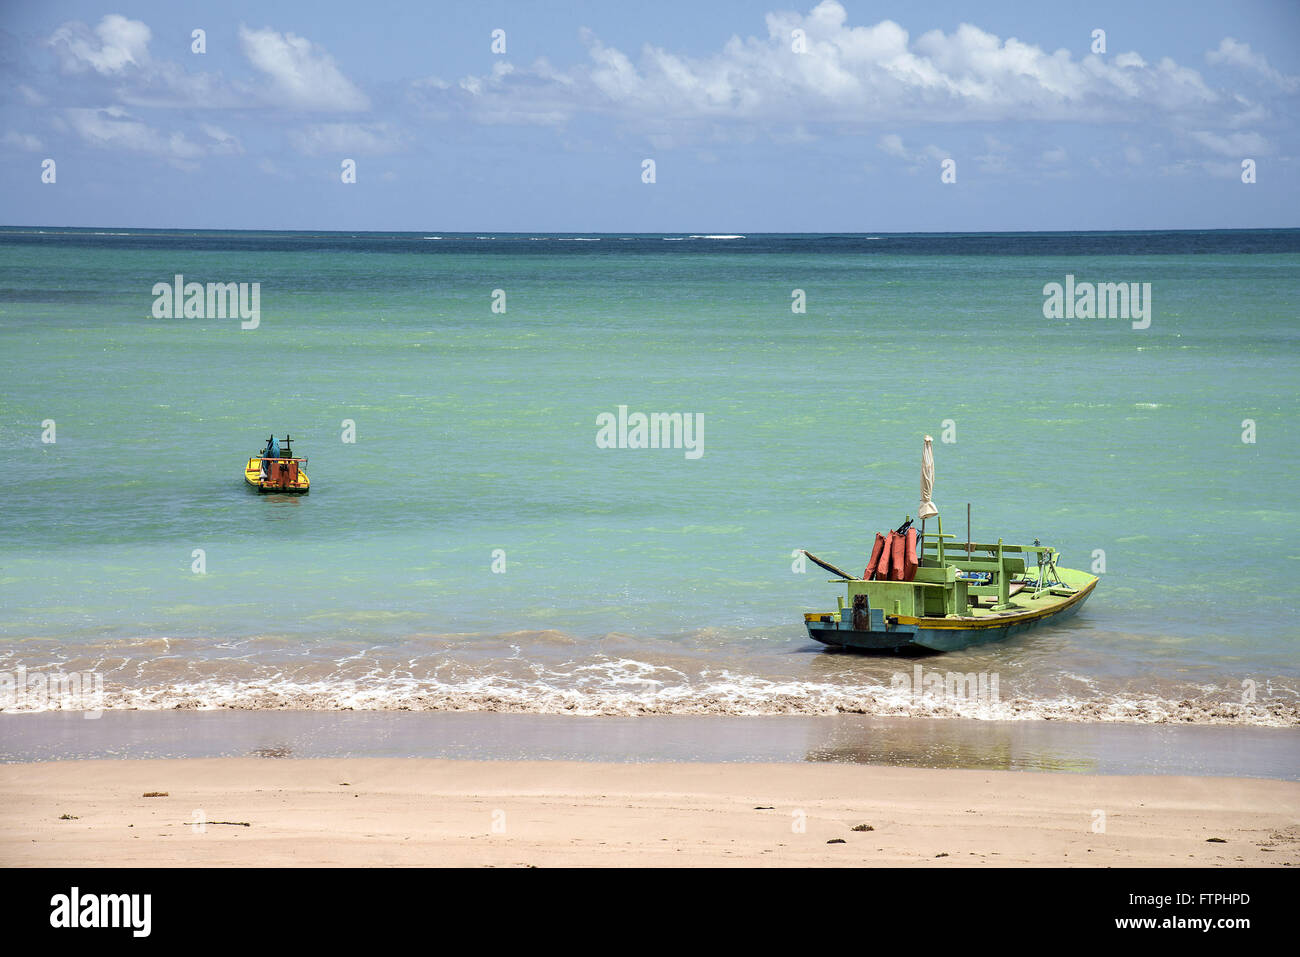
(849, 74)
(1233, 52)
(113, 128)
(23, 141)
(118, 49)
(852, 80)
(998, 157)
(222, 141)
(166, 85)
(1216, 168)
(346, 139)
(113, 45)
(1233, 144)
(31, 97)
(302, 75)
(292, 72)
(892, 144)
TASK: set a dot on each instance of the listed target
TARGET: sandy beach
(425, 812)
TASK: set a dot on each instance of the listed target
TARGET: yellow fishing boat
(275, 469)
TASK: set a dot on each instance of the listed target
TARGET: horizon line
(659, 232)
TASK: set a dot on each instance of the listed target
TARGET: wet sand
(1100, 748)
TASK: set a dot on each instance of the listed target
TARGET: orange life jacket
(874, 560)
(886, 554)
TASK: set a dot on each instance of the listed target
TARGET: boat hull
(898, 633)
(253, 479)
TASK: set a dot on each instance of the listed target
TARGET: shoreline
(1040, 746)
(753, 696)
(427, 812)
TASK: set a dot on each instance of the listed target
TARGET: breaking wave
(631, 688)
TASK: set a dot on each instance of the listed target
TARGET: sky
(764, 116)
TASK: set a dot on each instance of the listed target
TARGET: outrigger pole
(829, 567)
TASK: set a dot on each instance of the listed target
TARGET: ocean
(469, 545)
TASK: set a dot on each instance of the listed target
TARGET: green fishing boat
(926, 590)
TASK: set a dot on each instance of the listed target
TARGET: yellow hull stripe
(253, 476)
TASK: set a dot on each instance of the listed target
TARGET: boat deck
(1026, 605)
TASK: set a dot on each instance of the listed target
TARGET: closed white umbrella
(927, 509)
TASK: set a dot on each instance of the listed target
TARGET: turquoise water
(640, 579)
